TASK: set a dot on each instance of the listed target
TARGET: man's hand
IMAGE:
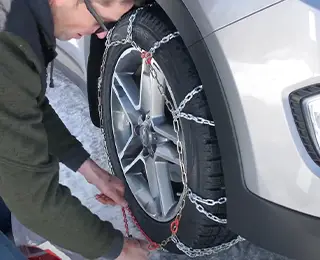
(134, 249)
(111, 187)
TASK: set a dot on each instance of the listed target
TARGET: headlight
(311, 109)
(305, 107)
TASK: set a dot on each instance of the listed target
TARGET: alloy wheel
(144, 136)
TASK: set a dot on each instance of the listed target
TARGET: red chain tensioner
(146, 55)
(125, 220)
(152, 245)
(174, 227)
(106, 201)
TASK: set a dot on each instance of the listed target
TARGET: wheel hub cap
(148, 138)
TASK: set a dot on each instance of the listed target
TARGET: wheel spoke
(175, 172)
(132, 148)
(132, 114)
(125, 80)
(121, 126)
(139, 187)
(145, 89)
(131, 165)
(157, 100)
(160, 184)
(164, 129)
(168, 152)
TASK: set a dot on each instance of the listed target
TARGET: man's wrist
(86, 169)
(75, 157)
(91, 171)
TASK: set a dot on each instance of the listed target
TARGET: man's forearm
(61, 142)
(35, 197)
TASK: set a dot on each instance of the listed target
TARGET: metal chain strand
(189, 96)
(164, 40)
(198, 120)
(205, 251)
(194, 197)
(177, 114)
(190, 117)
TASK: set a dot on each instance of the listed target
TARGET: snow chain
(177, 114)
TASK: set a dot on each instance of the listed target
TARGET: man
(33, 139)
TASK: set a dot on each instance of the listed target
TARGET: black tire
(205, 175)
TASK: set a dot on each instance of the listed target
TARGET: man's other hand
(110, 186)
(134, 249)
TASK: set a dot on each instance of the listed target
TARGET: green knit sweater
(32, 142)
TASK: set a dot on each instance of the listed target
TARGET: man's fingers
(139, 243)
(134, 243)
(144, 245)
(113, 198)
(118, 198)
(105, 200)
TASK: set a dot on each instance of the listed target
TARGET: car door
(212, 15)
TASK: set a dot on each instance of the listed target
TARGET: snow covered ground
(72, 107)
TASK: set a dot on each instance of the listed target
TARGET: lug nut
(145, 152)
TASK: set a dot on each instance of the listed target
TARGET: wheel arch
(187, 27)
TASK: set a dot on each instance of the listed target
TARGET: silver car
(217, 133)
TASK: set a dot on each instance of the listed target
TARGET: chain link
(191, 252)
(164, 40)
(198, 120)
(189, 96)
(194, 198)
(177, 114)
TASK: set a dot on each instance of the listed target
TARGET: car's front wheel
(141, 140)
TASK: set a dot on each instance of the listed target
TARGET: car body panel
(73, 54)
(272, 58)
(218, 13)
(212, 15)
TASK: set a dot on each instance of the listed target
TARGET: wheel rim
(144, 136)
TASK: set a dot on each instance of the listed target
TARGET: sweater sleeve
(29, 176)
(60, 141)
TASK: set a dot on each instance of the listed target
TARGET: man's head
(72, 19)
